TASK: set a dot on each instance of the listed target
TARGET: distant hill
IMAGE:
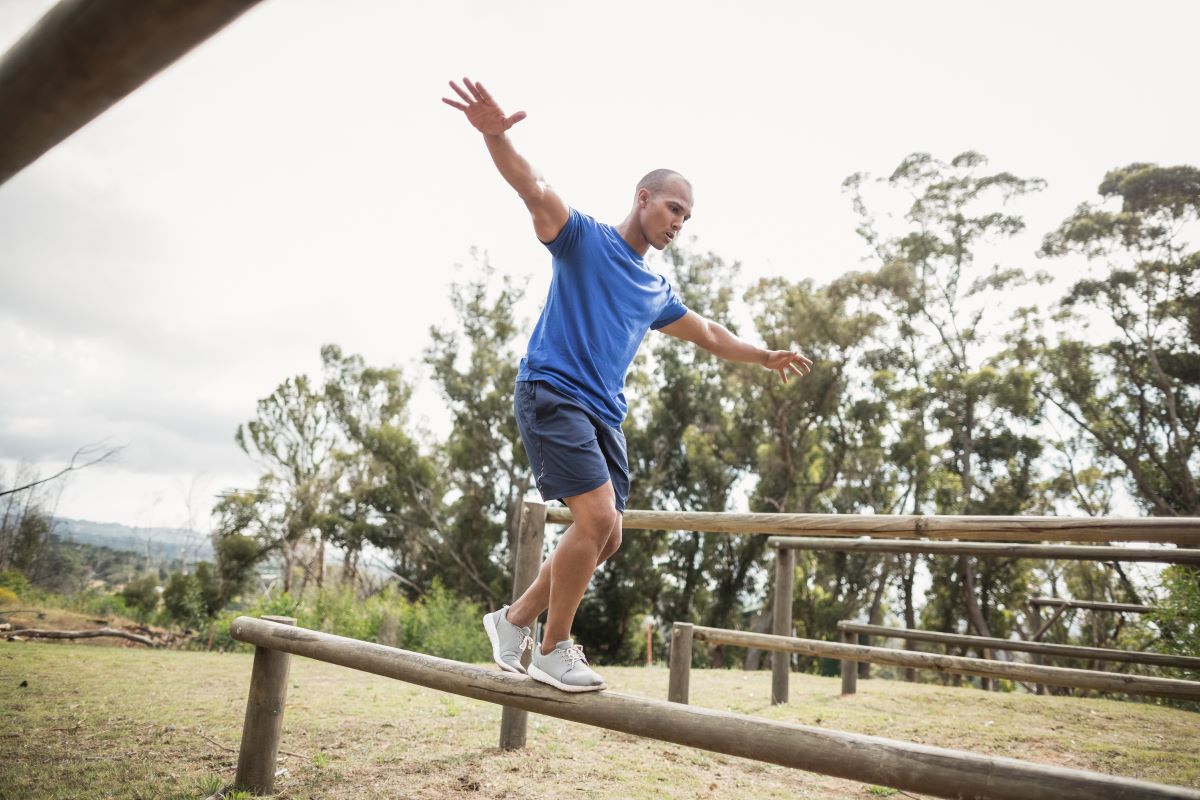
(157, 543)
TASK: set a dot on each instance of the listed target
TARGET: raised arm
(548, 210)
(718, 340)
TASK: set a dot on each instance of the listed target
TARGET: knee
(601, 526)
(612, 545)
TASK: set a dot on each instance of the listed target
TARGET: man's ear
(643, 198)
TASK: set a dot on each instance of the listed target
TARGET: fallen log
(32, 633)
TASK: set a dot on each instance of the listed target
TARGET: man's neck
(633, 237)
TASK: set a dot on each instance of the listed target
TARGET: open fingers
(454, 104)
(473, 88)
(466, 97)
(484, 95)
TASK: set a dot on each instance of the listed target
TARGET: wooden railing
(682, 635)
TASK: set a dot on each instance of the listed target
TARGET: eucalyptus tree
(482, 465)
(383, 477)
(293, 438)
(966, 413)
(817, 442)
(1135, 395)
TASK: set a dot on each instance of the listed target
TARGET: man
(569, 398)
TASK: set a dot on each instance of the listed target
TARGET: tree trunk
(874, 615)
(910, 614)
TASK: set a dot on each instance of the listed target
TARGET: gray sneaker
(508, 641)
(565, 667)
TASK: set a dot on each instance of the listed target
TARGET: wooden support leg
(785, 574)
(527, 559)
(681, 662)
(849, 668)
(264, 718)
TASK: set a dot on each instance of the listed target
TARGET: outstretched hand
(785, 362)
(482, 111)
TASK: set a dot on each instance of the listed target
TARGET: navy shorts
(570, 449)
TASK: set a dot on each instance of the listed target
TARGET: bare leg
(530, 605)
(564, 576)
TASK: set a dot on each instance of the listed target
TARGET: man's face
(664, 212)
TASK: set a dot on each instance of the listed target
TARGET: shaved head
(660, 179)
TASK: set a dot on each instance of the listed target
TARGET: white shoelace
(526, 644)
(574, 655)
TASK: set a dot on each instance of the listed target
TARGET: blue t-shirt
(602, 301)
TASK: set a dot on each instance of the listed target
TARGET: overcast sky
(296, 181)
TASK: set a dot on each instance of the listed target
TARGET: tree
(377, 461)
(1136, 396)
(969, 412)
(484, 474)
(292, 439)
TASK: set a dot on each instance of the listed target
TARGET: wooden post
(785, 574)
(849, 668)
(681, 662)
(264, 718)
(527, 560)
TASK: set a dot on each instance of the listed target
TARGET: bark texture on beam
(1176, 530)
(870, 759)
(1166, 555)
(85, 55)
(982, 667)
(1016, 645)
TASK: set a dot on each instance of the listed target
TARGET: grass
(95, 722)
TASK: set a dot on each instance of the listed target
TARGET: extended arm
(547, 209)
(718, 340)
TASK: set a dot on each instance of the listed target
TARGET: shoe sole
(544, 677)
(489, 625)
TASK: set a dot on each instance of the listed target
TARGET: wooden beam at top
(1167, 555)
(1094, 605)
(85, 55)
(1172, 530)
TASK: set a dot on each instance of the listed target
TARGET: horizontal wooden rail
(1094, 605)
(85, 55)
(1166, 555)
(1016, 646)
(1169, 530)
(1056, 676)
(870, 759)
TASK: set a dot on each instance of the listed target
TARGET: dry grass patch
(106, 721)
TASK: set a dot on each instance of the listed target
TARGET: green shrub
(442, 624)
(100, 604)
(141, 597)
(7, 596)
(14, 580)
(439, 624)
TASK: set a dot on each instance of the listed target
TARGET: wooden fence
(1018, 646)
(1179, 531)
(1165, 555)
(868, 759)
(684, 633)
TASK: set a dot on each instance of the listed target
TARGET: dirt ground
(84, 721)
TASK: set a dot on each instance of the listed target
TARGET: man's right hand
(482, 111)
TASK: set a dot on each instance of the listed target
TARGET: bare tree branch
(84, 452)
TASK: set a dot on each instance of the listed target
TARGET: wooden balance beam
(869, 759)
